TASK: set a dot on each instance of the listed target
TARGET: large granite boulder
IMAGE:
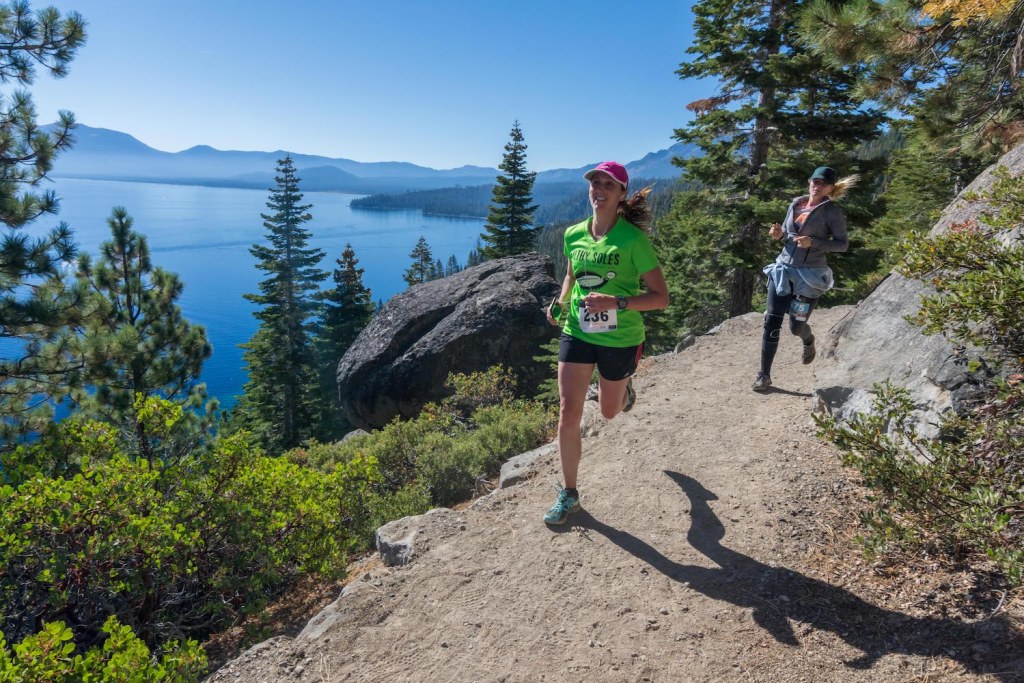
(488, 314)
(875, 342)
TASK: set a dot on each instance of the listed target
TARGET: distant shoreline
(190, 182)
(462, 216)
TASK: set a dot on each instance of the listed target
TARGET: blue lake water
(204, 233)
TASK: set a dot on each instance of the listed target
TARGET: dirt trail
(707, 551)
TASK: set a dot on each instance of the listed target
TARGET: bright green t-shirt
(611, 265)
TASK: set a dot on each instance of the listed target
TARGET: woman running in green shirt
(609, 255)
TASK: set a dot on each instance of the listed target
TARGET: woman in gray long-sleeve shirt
(814, 226)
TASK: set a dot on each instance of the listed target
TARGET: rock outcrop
(875, 342)
(488, 314)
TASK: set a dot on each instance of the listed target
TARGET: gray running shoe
(762, 382)
(809, 352)
(630, 398)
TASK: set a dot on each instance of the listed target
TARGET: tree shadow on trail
(779, 596)
(788, 392)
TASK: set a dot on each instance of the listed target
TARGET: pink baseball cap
(612, 168)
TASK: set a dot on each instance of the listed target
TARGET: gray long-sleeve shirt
(825, 224)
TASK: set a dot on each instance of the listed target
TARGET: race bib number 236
(604, 321)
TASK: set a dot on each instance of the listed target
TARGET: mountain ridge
(107, 154)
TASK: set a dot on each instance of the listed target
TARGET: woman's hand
(775, 232)
(595, 303)
(803, 241)
(553, 319)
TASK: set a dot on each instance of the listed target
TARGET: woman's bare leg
(610, 396)
(573, 380)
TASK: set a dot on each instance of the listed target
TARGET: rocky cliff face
(488, 314)
(874, 342)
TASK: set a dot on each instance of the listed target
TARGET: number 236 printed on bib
(598, 321)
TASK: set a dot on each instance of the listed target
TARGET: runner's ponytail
(635, 209)
(843, 185)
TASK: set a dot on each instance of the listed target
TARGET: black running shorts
(613, 363)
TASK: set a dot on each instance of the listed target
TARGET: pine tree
(475, 256)
(954, 66)
(779, 113)
(509, 229)
(422, 264)
(347, 308)
(452, 267)
(135, 340)
(283, 383)
(36, 303)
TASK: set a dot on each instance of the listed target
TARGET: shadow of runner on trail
(779, 596)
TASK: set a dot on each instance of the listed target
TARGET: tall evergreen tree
(422, 264)
(778, 113)
(923, 177)
(954, 66)
(36, 303)
(135, 340)
(283, 383)
(347, 309)
(509, 229)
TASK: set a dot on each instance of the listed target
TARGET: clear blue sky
(437, 83)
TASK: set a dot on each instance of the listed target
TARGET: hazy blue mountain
(653, 166)
(104, 154)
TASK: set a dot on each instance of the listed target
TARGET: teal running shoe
(564, 506)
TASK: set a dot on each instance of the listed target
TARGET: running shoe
(762, 382)
(630, 398)
(809, 352)
(564, 506)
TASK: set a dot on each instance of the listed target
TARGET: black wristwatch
(623, 302)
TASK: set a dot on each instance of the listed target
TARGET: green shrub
(323, 456)
(396, 448)
(437, 457)
(449, 467)
(470, 393)
(963, 494)
(48, 657)
(173, 550)
(955, 497)
(506, 431)
(410, 500)
(978, 275)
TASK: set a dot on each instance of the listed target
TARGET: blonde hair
(635, 209)
(843, 185)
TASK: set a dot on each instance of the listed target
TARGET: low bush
(448, 467)
(451, 444)
(506, 431)
(412, 499)
(172, 552)
(962, 494)
(955, 497)
(49, 657)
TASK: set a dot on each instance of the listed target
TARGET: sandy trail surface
(714, 545)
